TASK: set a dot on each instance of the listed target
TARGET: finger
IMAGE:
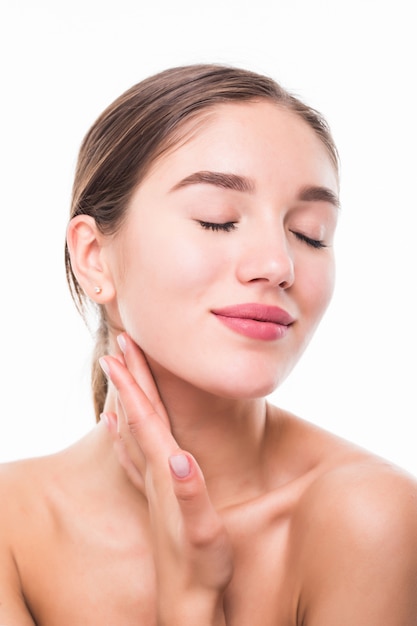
(199, 516)
(202, 526)
(133, 472)
(145, 424)
(128, 452)
(138, 366)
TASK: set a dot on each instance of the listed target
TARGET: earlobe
(85, 245)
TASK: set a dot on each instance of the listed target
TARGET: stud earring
(97, 290)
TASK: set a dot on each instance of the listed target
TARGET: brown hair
(138, 127)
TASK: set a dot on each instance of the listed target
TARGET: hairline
(180, 135)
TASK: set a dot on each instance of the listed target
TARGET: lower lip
(266, 331)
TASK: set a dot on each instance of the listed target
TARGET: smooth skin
(270, 521)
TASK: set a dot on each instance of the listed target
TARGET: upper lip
(256, 311)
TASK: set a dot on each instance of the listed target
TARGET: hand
(192, 550)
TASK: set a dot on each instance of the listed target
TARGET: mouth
(258, 321)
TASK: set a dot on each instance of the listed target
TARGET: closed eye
(226, 227)
(314, 243)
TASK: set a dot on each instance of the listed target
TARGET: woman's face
(224, 265)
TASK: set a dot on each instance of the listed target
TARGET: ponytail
(98, 378)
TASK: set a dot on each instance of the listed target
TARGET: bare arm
(361, 555)
(13, 609)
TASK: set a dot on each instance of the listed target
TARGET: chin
(253, 379)
(233, 379)
(245, 388)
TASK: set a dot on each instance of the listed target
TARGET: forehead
(249, 138)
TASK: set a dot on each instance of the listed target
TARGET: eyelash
(226, 227)
(318, 244)
(229, 226)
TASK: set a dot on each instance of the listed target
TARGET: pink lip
(258, 321)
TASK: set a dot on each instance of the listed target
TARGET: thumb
(203, 528)
(201, 521)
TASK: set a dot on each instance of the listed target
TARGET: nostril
(272, 264)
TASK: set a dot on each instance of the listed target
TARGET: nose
(267, 258)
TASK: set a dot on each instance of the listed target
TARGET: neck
(225, 436)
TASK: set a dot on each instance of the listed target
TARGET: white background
(64, 62)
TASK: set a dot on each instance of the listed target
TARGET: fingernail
(104, 366)
(108, 421)
(105, 419)
(122, 343)
(180, 465)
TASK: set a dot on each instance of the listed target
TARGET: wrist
(193, 609)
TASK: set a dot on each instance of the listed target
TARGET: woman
(204, 208)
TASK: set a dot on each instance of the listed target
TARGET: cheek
(181, 267)
(165, 274)
(325, 286)
(317, 285)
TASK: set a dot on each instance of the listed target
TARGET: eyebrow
(218, 179)
(236, 182)
(319, 194)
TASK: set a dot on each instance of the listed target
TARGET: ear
(85, 245)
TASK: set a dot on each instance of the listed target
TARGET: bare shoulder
(31, 488)
(367, 497)
(353, 530)
(24, 494)
(357, 526)
(23, 479)
(18, 482)
(32, 492)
